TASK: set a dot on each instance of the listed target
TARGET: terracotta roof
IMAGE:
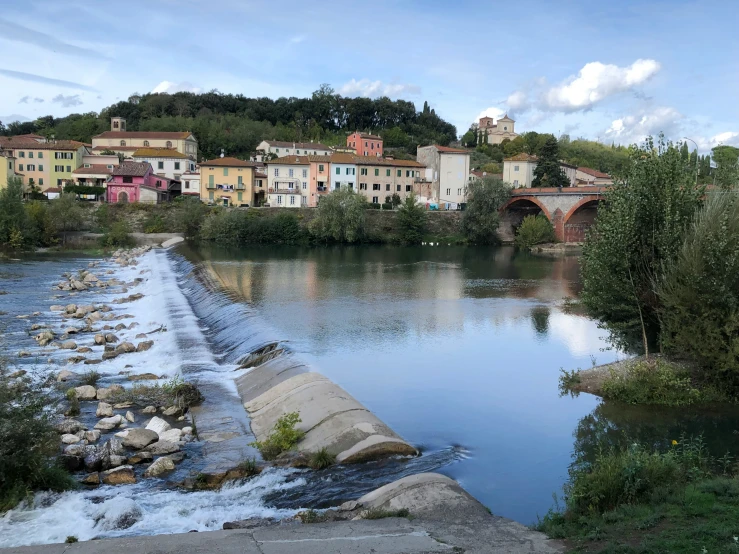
(132, 169)
(228, 162)
(260, 175)
(448, 150)
(30, 136)
(94, 169)
(522, 157)
(30, 144)
(158, 153)
(115, 148)
(343, 158)
(594, 172)
(404, 163)
(178, 135)
(303, 145)
(325, 159)
(55, 189)
(290, 160)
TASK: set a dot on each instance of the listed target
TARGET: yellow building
(227, 182)
(44, 164)
(119, 140)
(7, 167)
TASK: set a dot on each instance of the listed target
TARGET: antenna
(222, 152)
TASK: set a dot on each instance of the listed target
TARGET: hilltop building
(364, 144)
(498, 131)
(119, 140)
(270, 149)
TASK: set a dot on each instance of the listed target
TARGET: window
(20, 167)
(128, 179)
(407, 173)
(365, 144)
(515, 168)
(69, 169)
(338, 171)
(387, 173)
(277, 150)
(297, 151)
(305, 174)
(349, 186)
(225, 172)
(290, 172)
(305, 185)
(448, 192)
(169, 144)
(304, 200)
(387, 187)
(408, 188)
(505, 128)
(210, 195)
(277, 172)
(376, 186)
(30, 167)
(240, 180)
(10, 165)
(397, 188)
(123, 143)
(279, 199)
(59, 168)
(372, 146)
(40, 181)
(211, 182)
(240, 196)
(292, 200)
(40, 155)
(87, 165)
(348, 170)
(363, 171)
(30, 154)
(159, 183)
(177, 165)
(515, 182)
(21, 154)
(362, 186)
(375, 200)
(459, 192)
(187, 184)
(110, 167)
(377, 172)
(337, 185)
(320, 168)
(400, 173)
(160, 165)
(146, 143)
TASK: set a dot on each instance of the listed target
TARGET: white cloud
(375, 89)
(168, 87)
(594, 83)
(297, 39)
(67, 101)
(727, 138)
(635, 128)
(494, 112)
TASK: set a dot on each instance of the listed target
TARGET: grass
(71, 539)
(283, 438)
(175, 392)
(322, 459)
(640, 500)
(74, 403)
(312, 516)
(379, 513)
(91, 378)
(249, 467)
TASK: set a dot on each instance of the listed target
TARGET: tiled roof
(30, 144)
(522, 157)
(343, 158)
(325, 159)
(228, 162)
(132, 169)
(291, 160)
(116, 148)
(448, 150)
(55, 189)
(94, 169)
(30, 136)
(179, 135)
(594, 172)
(302, 145)
(260, 175)
(158, 153)
(404, 163)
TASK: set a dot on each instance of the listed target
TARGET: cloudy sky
(611, 71)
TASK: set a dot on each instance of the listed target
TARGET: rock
(187, 430)
(149, 410)
(71, 463)
(93, 317)
(70, 439)
(93, 362)
(85, 392)
(78, 285)
(172, 411)
(37, 326)
(349, 506)
(56, 308)
(77, 450)
(122, 406)
(76, 359)
(119, 327)
(158, 425)
(125, 348)
(110, 337)
(115, 460)
(133, 325)
(104, 393)
(141, 335)
(110, 355)
(177, 457)
(69, 426)
(173, 435)
(104, 410)
(92, 436)
(140, 457)
(130, 417)
(71, 308)
(16, 374)
(160, 466)
(46, 336)
(140, 438)
(84, 350)
(143, 377)
(24, 354)
(99, 339)
(71, 330)
(90, 278)
(122, 475)
(92, 479)
(68, 345)
(109, 423)
(160, 448)
(144, 346)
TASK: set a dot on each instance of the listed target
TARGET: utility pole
(696, 158)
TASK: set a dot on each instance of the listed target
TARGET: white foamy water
(140, 510)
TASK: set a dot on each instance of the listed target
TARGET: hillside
(237, 123)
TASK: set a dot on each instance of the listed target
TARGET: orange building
(364, 144)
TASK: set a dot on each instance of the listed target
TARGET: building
(7, 167)
(270, 149)
(165, 161)
(93, 175)
(44, 164)
(343, 172)
(190, 183)
(288, 180)
(136, 182)
(364, 144)
(586, 176)
(518, 170)
(229, 182)
(498, 131)
(448, 170)
(380, 178)
(119, 140)
(320, 179)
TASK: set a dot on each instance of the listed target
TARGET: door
(123, 197)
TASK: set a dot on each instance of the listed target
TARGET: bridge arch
(580, 218)
(513, 212)
(521, 201)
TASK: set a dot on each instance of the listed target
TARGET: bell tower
(117, 124)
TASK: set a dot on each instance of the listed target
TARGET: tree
(469, 139)
(548, 172)
(340, 217)
(727, 160)
(481, 218)
(107, 152)
(66, 213)
(411, 220)
(684, 152)
(189, 218)
(638, 230)
(12, 214)
(534, 229)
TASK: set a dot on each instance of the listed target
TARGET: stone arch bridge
(571, 210)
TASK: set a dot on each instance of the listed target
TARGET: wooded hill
(237, 123)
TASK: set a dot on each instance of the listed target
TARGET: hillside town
(122, 166)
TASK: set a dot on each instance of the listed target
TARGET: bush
(283, 438)
(411, 221)
(252, 226)
(480, 219)
(371, 206)
(340, 217)
(190, 215)
(91, 378)
(118, 235)
(387, 206)
(700, 293)
(13, 220)
(322, 459)
(28, 441)
(534, 230)
(155, 224)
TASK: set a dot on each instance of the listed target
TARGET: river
(456, 349)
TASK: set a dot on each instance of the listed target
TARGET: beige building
(379, 178)
(119, 140)
(591, 177)
(448, 171)
(518, 170)
(7, 167)
(270, 149)
(498, 131)
(288, 181)
(45, 165)
(227, 182)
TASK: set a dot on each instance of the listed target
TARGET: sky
(603, 70)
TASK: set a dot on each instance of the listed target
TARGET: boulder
(44, 336)
(140, 457)
(71, 330)
(110, 337)
(115, 460)
(149, 410)
(99, 339)
(90, 278)
(93, 317)
(78, 285)
(69, 426)
(125, 348)
(143, 377)
(93, 362)
(122, 475)
(78, 450)
(120, 327)
(130, 417)
(158, 425)
(144, 346)
(109, 355)
(76, 359)
(16, 374)
(57, 308)
(85, 392)
(122, 406)
(172, 411)
(109, 423)
(92, 479)
(70, 439)
(160, 466)
(68, 345)
(71, 308)
(133, 325)
(104, 410)
(24, 354)
(84, 350)
(161, 448)
(105, 393)
(92, 436)
(187, 430)
(140, 335)
(173, 435)
(140, 438)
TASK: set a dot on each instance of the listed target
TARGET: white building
(448, 170)
(167, 162)
(287, 181)
(190, 183)
(343, 172)
(269, 149)
(518, 170)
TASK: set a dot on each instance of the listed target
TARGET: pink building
(136, 182)
(363, 144)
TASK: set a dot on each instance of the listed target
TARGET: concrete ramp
(331, 417)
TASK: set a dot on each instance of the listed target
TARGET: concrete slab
(260, 379)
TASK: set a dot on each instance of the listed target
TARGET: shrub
(249, 467)
(322, 459)
(91, 378)
(118, 235)
(480, 219)
(12, 214)
(190, 215)
(155, 224)
(700, 293)
(251, 226)
(340, 217)
(74, 403)
(387, 206)
(534, 230)
(411, 221)
(283, 438)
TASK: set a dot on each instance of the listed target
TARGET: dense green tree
(65, 213)
(12, 215)
(411, 221)
(469, 139)
(684, 153)
(727, 160)
(548, 172)
(340, 217)
(638, 230)
(481, 218)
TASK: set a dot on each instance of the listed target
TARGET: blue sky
(612, 71)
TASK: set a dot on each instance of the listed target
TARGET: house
(44, 164)
(119, 140)
(190, 183)
(343, 172)
(586, 176)
(287, 181)
(364, 144)
(229, 181)
(270, 149)
(448, 171)
(165, 161)
(320, 179)
(476, 174)
(136, 182)
(7, 167)
(382, 177)
(498, 131)
(518, 170)
(93, 175)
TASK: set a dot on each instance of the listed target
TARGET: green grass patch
(283, 438)
(378, 513)
(322, 459)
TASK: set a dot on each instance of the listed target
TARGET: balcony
(322, 188)
(286, 190)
